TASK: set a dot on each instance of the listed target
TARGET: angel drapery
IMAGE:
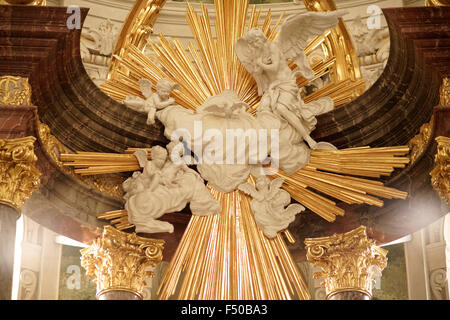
(267, 63)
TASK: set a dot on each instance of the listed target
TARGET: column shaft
(8, 218)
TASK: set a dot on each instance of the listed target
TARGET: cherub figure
(267, 63)
(269, 205)
(153, 101)
(164, 187)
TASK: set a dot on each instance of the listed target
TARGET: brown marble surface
(85, 119)
(8, 218)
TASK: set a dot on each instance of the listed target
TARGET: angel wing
(296, 32)
(293, 210)
(248, 189)
(276, 184)
(244, 54)
(146, 87)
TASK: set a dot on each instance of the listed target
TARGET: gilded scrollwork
(18, 175)
(445, 92)
(348, 261)
(120, 260)
(109, 184)
(25, 2)
(437, 3)
(418, 144)
(440, 175)
(14, 91)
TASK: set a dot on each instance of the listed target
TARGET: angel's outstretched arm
(135, 103)
(162, 104)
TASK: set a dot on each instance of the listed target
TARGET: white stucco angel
(269, 205)
(153, 101)
(164, 187)
(267, 62)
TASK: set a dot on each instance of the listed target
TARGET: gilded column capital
(120, 260)
(348, 261)
(24, 2)
(440, 175)
(18, 175)
(437, 3)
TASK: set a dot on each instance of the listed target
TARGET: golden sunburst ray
(226, 256)
(211, 66)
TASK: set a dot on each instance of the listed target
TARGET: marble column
(120, 262)
(348, 262)
(8, 218)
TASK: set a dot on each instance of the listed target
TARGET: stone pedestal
(120, 262)
(348, 261)
(8, 218)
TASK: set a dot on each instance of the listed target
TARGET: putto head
(255, 37)
(159, 155)
(262, 181)
(164, 87)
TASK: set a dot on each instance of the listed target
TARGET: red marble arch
(36, 43)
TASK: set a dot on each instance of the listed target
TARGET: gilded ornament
(120, 260)
(440, 175)
(348, 261)
(24, 2)
(14, 91)
(421, 140)
(445, 92)
(109, 184)
(18, 175)
(135, 31)
(437, 3)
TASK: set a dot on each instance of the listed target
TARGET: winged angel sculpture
(267, 62)
(269, 205)
(153, 101)
(281, 108)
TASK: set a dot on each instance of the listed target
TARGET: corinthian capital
(348, 261)
(120, 261)
(18, 175)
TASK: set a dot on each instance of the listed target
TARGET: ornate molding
(419, 143)
(445, 92)
(434, 3)
(120, 261)
(348, 261)
(28, 284)
(440, 175)
(18, 175)
(109, 184)
(439, 283)
(14, 90)
(25, 2)
(136, 29)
